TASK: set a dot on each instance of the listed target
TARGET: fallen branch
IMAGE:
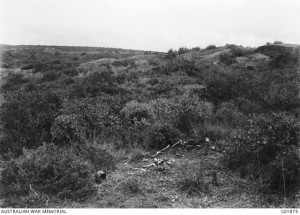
(137, 168)
(160, 151)
(33, 191)
(47, 200)
(152, 164)
(178, 142)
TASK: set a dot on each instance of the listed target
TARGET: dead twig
(33, 191)
(152, 164)
(137, 168)
(178, 142)
(47, 201)
(160, 151)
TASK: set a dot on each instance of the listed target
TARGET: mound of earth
(276, 49)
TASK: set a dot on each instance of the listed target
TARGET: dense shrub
(285, 60)
(277, 42)
(102, 81)
(51, 171)
(100, 158)
(227, 58)
(13, 82)
(165, 111)
(137, 112)
(182, 50)
(26, 119)
(120, 63)
(270, 140)
(84, 119)
(30, 66)
(228, 114)
(247, 106)
(283, 95)
(237, 51)
(171, 54)
(50, 76)
(159, 136)
(179, 64)
(67, 129)
(210, 47)
(196, 48)
(192, 180)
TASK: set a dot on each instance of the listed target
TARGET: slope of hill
(211, 128)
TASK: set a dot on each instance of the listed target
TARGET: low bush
(227, 58)
(67, 129)
(159, 136)
(267, 149)
(13, 82)
(210, 47)
(229, 114)
(50, 76)
(247, 106)
(192, 180)
(27, 118)
(99, 157)
(131, 186)
(49, 170)
(30, 66)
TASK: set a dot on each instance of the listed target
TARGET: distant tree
(277, 42)
(210, 47)
(171, 54)
(182, 50)
(196, 48)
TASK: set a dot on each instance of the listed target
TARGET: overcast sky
(149, 24)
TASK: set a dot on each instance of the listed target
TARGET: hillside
(113, 128)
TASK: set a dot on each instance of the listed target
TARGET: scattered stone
(213, 148)
(158, 161)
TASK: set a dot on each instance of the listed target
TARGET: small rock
(213, 148)
(173, 200)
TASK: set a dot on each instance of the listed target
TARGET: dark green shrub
(40, 67)
(214, 131)
(228, 114)
(27, 118)
(51, 171)
(210, 47)
(120, 63)
(67, 129)
(131, 186)
(159, 136)
(196, 48)
(277, 42)
(227, 58)
(192, 180)
(30, 66)
(171, 54)
(285, 60)
(99, 158)
(247, 106)
(268, 140)
(50, 76)
(182, 50)
(13, 82)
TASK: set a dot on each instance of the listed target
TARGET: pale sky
(156, 25)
